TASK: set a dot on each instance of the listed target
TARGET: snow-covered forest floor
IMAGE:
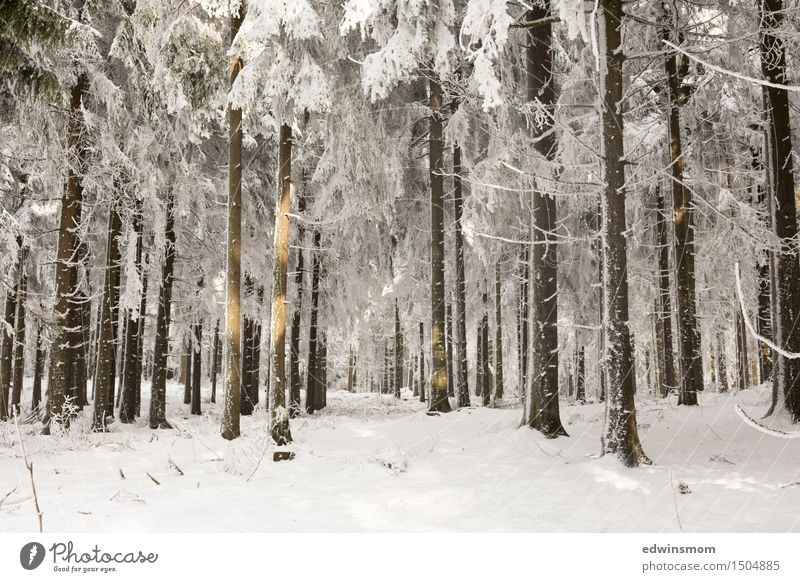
(372, 463)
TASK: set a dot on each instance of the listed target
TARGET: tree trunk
(461, 371)
(65, 271)
(664, 314)
(486, 372)
(621, 435)
(498, 340)
(479, 358)
(107, 343)
(247, 401)
(215, 354)
(545, 414)
(438, 399)
(742, 375)
(580, 377)
(323, 369)
(351, 371)
(448, 332)
(19, 337)
(311, 375)
(137, 393)
(279, 416)
(423, 381)
(127, 401)
(158, 384)
(230, 428)
(691, 368)
(197, 351)
(7, 352)
(186, 368)
(398, 353)
(722, 371)
(38, 370)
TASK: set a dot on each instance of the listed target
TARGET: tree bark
(498, 340)
(294, 349)
(38, 370)
(65, 272)
(461, 371)
(691, 362)
(230, 428)
(621, 435)
(127, 401)
(664, 314)
(158, 384)
(448, 336)
(398, 352)
(107, 343)
(545, 414)
(438, 400)
(197, 351)
(311, 375)
(7, 352)
(19, 336)
(215, 354)
(279, 416)
(423, 381)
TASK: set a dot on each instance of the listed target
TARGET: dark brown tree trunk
(127, 401)
(7, 352)
(137, 394)
(423, 381)
(296, 381)
(311, 376)
(580, 376)
(764, 322)
(38, 370)
(323, 369)
(186, 368)
(691, 368)
(498, 339)
(247, 401)
(787, 332)
(524, 356)
(351, 371)
(438, 400)
(664, 314)
(448, 331)
(279, 416)
(486, 372)
(215, 357)
(158, 384)
(461, 376)
(19, 337)
(398, 352)
(621, 434)
(107, 343)
(545, 415)
(197, 351)
(66, 279)
(479, 358)
(722, 370)
(742, 373)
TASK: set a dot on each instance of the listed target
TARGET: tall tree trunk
(438, 399)
(215, 353)
(127, 401)
(398, 352)
(230, 428)
(664, 313)
(311, 375)
(580, 376)
(461, 371)
(7, 352)
(197, 351)
(279, 416)
(498, 340)
(621, 435)
(524, 356)
(106, 346)
(545, 415)
(323, 369)
(66, 279)
(448, 331)
(19, 336)
(137, 393)
(423, 381)
(722, 370)
(764, 322)
(351, 371)
(690, 350)
(294, 349)
(742, 375)
(480, 356)
(486, 372)
(158, 384)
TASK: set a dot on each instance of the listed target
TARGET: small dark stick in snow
(121, 474)
(176, 467)
(153, 479)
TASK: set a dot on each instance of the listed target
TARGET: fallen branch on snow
(765, 429)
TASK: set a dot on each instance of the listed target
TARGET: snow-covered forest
(399, 265)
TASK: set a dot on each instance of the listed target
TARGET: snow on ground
(372, 463)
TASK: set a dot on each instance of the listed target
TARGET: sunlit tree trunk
(233, 319)
(279, 416)
(438, 399)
